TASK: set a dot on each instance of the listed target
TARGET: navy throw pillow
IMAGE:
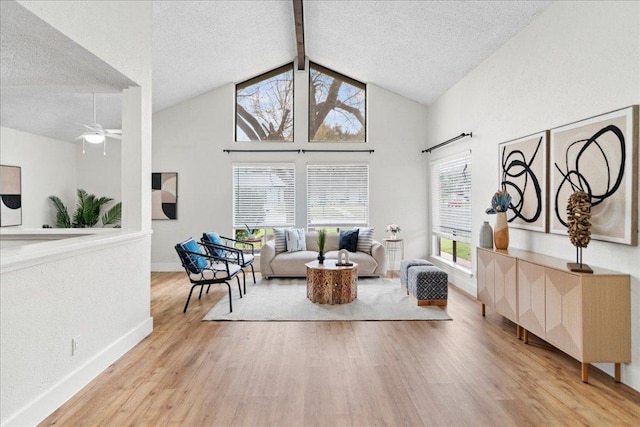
(349, 240)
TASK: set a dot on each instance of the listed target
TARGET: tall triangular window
(337, 107)
(264, 107)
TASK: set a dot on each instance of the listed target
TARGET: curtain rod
(449, 141)
(337, 151)
(261, 151)
(297, 151)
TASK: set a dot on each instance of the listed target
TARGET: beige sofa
(292, 264)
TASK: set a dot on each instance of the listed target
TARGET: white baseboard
(45, 404)
(166, 266)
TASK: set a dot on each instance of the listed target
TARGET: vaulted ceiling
(417, 49)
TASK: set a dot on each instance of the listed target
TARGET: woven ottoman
(405, 264)
(428, 285)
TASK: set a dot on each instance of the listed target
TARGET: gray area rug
(286, 300)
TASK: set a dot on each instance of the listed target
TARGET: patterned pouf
(404, 268)
(428, 285)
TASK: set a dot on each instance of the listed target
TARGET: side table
(393, 248)
(256, 242)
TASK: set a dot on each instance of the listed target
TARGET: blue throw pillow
(195, 263)
(213, 238)
(349, 240)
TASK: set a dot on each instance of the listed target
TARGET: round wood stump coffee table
(329, 283)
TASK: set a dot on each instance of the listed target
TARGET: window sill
(453, 265)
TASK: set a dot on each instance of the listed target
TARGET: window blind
(337, 195)
(451, 197)
(264, 195)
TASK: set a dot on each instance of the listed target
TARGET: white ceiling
(47, 80)
(417, 49)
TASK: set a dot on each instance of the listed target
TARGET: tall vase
(501, 231)
(486, 236)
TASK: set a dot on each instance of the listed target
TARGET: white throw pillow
(279, 240)
(365, 240)
(295, 240)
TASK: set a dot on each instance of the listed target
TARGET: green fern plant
(113, 216)
(62, 214)
(87, 213)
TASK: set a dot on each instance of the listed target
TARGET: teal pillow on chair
(195, 263)
(214, 239)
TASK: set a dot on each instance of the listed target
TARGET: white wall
(54, 167)
(48, 168)
(98, 288)
(189, 138)
(98, 174)
(576, 60)
(121, 38)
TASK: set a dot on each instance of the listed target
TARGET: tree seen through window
(264, 107)
(336, 107)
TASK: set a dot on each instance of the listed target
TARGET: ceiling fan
(94, 133)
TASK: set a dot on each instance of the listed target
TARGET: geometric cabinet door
(564, 311)
(531, 297)
(505, 291)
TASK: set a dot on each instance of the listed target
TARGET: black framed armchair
(234, 251)
(206, 269)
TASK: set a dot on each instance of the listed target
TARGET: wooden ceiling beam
(299, 22)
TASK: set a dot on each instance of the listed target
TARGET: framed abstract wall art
(598, 155)
(10, 196)
(523, 173)
(164, 195)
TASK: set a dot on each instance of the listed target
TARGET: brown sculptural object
(579, 227)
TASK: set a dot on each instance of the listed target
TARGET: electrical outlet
(75, 345)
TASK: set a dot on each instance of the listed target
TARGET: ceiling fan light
(94, 138)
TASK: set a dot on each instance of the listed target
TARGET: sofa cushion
(332, 243)
(312, 240)
(279, 239)
(292, 263)
(349, 240)
(295, 240)
(365, 240)
(366, 263)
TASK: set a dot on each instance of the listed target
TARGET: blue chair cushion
(214, 239)
(349, 240)
(195, 263)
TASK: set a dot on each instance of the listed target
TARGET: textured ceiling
(418, 49)
(199, 46)
(415, 48)
(48, 81)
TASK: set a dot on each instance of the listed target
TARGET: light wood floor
(471, 371)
